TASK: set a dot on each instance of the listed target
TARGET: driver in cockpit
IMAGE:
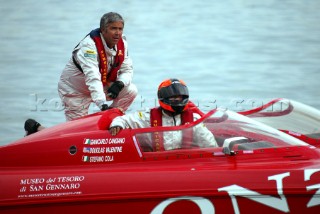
(173, 96)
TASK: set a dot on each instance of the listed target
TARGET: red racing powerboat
(78, 167)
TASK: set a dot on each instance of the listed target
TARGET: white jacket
(202, 137)
(88, 83)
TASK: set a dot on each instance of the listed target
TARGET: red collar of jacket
(156, 120)
(103, 65)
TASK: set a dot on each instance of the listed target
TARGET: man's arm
(203, 136)
(132, 121)
(87, 58)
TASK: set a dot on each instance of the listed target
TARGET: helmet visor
(176, 100)
(173, 90)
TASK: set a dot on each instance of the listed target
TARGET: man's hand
(115, 89)
(114, 130)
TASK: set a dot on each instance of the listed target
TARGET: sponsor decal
(104, 141)
(94, 150)
(114, 149)
(86, 149)
(107, 146)
(234, 191)
(204, 204)
(51, 186)
(90, 54)
(98, 159)
(85, 158)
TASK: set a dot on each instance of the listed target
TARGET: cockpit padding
(255, 145)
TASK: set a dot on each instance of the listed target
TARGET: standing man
(99, 70)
